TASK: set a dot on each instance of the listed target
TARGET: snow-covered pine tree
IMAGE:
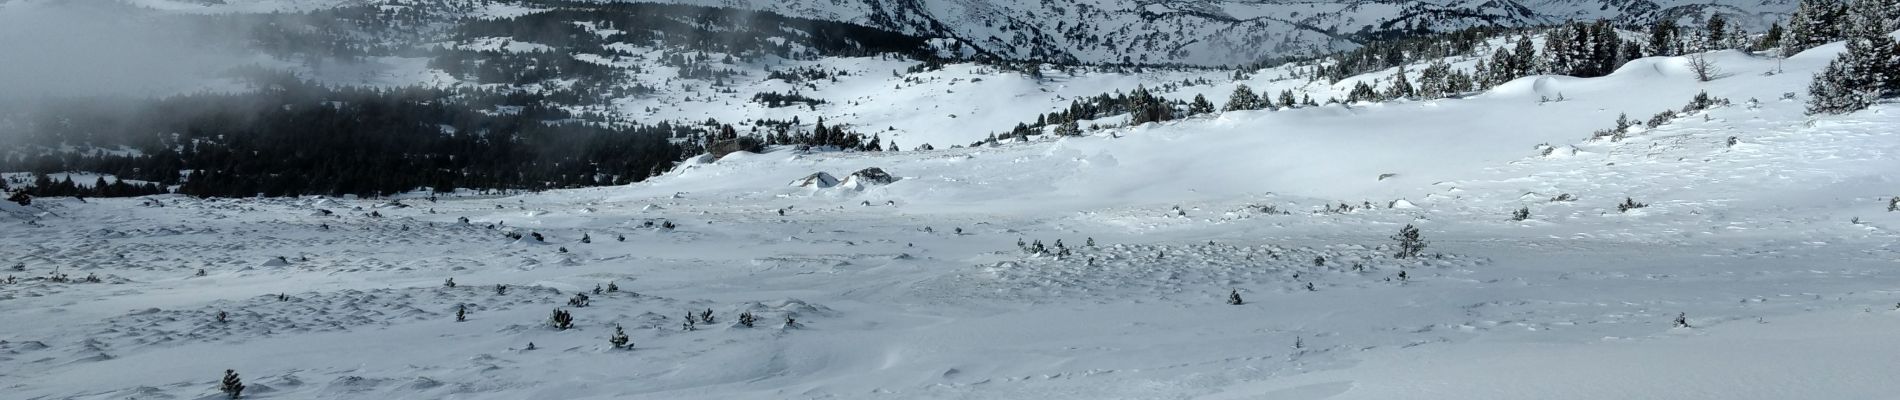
(1434, 80)
(1200, 105)
(619, 340)
(231, 385)
(1815, 22)
(1361, 92)
(561, 320)
(1401, 86)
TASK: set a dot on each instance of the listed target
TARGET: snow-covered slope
(1765, 229)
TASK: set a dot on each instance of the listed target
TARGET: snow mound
(818, 180)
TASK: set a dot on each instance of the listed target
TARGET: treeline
(1869, 69)
(572, 26)
(299, 138)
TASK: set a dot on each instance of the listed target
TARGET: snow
(916, 289)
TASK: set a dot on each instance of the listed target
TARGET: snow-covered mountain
(1216, 32)
(1194, 32)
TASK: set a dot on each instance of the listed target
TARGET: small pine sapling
(1310, 288)
(706, 316)
(612, 288)
(450, 283)
(745, 319)
(619, 339)
(579, 300)
(501, 289)
(461, 313)
(231, 385)
(598, 290)
(223, 317)
(1629, 204)
(1410, 245)
(561, 320)
(1233, 298)
(1319, 261)
(1682, 320)
(1522, 213)
(586, 239)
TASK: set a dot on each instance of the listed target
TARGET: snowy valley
(1683, 226)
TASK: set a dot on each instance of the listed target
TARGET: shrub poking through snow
(1682, 320)
(612, 288)
(1410, 245)
(231, 385)
(579, 300)
(1893, 204)
(449, 283)
(706, 316)
(461, 313)
(745, 319)
(1629, 204)
(1563, 197)
(501, 289)
(561, 320)
(586, 239)
(1233, 298)
(1522, 213)
(619, 339)
(223, 317)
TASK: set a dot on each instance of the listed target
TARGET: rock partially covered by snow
(868, 177)
(818, 180)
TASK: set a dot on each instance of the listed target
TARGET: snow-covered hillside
(1766, 230)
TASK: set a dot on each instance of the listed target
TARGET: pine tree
(1361, 92)
(461, 313)
(619, 340)
(231, 385)
(1770, 39)
(1868, 70)
(1716, 33)
(1287, 100)
(1200, 105)
(1410, 245)
(561, 320)
(1233, 298)
(1662, 38)
(1242, 99)
(1401, 86)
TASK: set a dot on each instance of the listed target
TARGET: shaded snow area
(1765, 230)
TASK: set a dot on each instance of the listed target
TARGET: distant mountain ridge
(1221, 32)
